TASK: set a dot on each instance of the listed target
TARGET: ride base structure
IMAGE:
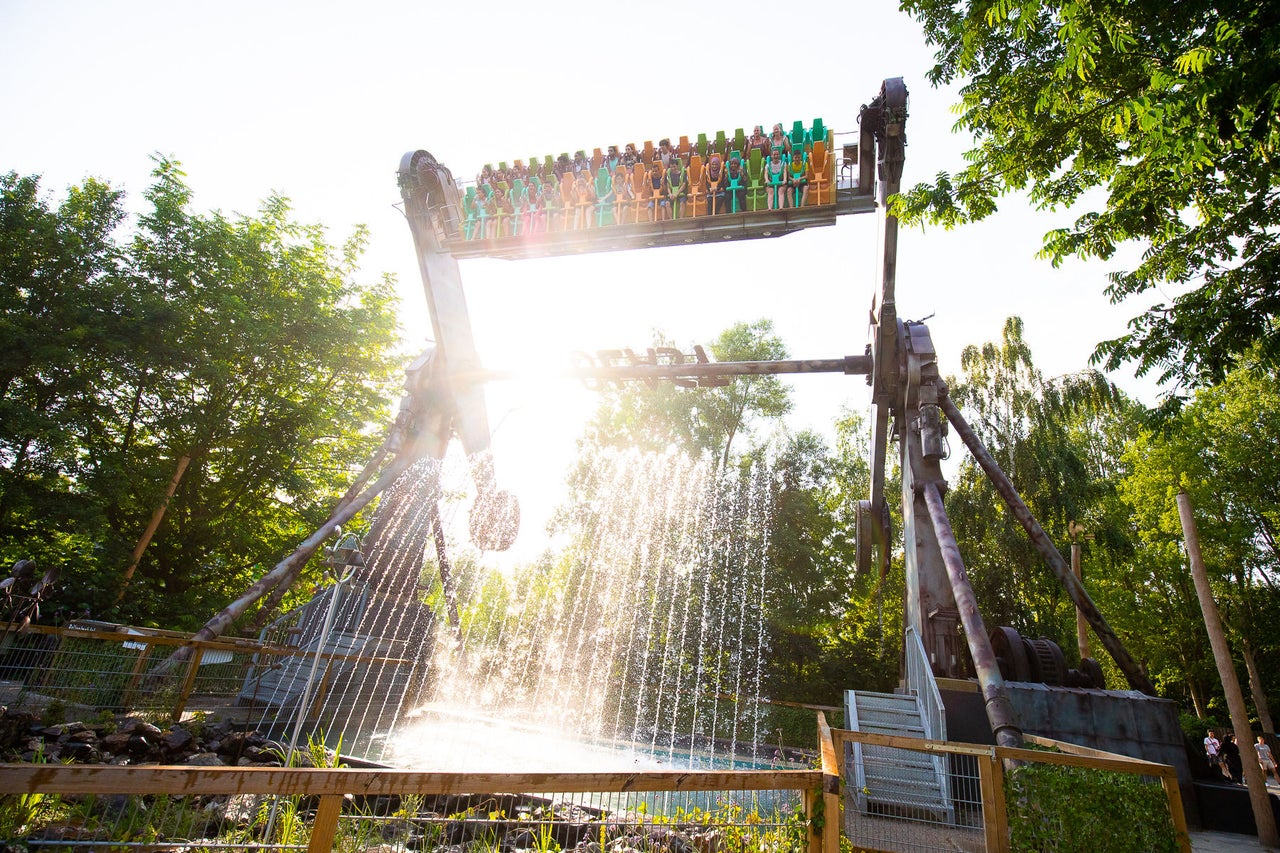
(959, 679)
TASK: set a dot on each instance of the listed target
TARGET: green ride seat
(797, 135)
(701, 147)
(755, 179)
(722, 143)
(739, 138)
(471, 213)
(502, 164)
(818, 133)
(604, 198)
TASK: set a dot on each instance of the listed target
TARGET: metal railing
(97, 668)
(921, 684)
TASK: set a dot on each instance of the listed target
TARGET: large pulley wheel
(1011, 654)
(494, 521)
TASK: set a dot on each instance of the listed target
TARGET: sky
(318, 101)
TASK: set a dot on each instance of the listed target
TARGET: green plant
(21, 813)
(106, 722)
(1054, 808)
(54, 713)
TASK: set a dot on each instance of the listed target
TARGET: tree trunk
(1255, 687)
(152, 527)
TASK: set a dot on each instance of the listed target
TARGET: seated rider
(585, 196)
(677, 185)
(757, 140)
(552, 204)
(735, 184)
(580, 162)
(623, 195)
(798, 180)
(714, 176)
(779, 140)
(775, 180)
(659, 201)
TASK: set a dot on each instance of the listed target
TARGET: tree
(246, 343)
(1211, 450)
(1049, 436)
(1172, 110)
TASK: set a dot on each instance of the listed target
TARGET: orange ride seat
(820, 183)
(697, 204)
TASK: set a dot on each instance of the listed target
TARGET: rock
(117, 742)
(204, 759)
(82, 752)
(134, 726)
(140, 745)
(177, 740)
(83, 736)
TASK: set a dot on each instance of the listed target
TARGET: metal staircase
(891, 779)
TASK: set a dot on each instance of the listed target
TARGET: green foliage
(245, 343)
(698, 420)
(1059, 441)
(1213, 450)
(1052, 807)
(1170, 110)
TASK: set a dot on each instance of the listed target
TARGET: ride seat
(820, 176)
(755, 180)
(697, 203)
(640, 186)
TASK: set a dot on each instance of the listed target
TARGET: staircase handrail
(921, 683)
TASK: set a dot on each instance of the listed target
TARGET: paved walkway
(1223, 842)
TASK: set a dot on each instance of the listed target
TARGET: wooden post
(995, 817)
(1169, 781)
(1082, 624)
(127, 699)
(152, 526)
(317, 702)
(325, 824)
(833, 818)
(187, 683)
(810, 798)
(1253, 773)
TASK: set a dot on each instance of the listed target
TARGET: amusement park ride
(990, 684)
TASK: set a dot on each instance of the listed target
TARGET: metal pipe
(1000, 713)
(850, 364)
(1132, 672)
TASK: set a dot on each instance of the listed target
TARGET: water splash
(638, 641)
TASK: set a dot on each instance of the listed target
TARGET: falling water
(638, 639)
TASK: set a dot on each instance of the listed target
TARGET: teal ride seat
(471, 215)
(731, 186)
(604, 198)
(797, 135)
(755, 177)
(482, 210)
(519, 204)
(775, 199)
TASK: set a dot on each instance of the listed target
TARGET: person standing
(1266, 759)
(1230, 752)
(1211, 748)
